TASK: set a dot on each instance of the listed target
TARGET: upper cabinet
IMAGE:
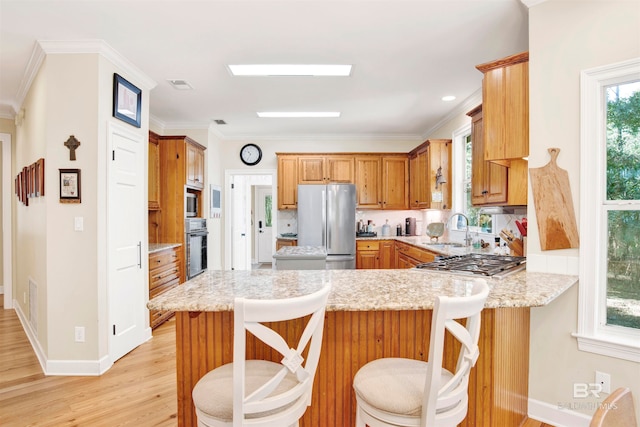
(505, 100)
(154, 172)
(325, 169)
(426, 162)
(195, 164)
(488, 179)
(382, 180)
(287, 181)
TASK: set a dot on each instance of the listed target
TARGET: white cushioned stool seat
(394, 385)
(212, 394)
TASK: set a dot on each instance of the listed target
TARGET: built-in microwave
(191, 205)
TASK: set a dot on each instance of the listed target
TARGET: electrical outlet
(604, 380)
(79, 333)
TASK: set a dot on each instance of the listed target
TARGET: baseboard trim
(556, 416)
(60, 367)
(31, 336)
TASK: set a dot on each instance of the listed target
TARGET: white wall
(565, 38)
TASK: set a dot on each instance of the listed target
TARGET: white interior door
(127, 292)
(264, 224)
(239, 225)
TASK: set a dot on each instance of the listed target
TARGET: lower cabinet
(408, 256)
(388, 254)
(285, 242)
(164, 274)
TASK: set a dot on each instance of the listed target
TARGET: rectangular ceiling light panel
(298, 114)
(290, 70)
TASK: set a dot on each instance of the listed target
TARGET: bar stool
(406, 392)
(260, 392)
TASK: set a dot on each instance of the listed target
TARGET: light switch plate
(78, 223)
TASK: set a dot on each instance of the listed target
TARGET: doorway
(7, 285)
(241, 223)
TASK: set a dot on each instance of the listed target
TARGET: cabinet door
(367, 260)
(403, 261)
(340, 169)
(368, 182)
(387, 254)
(154, 172)
(420, 178)
(488, 180)
(438, 197)
(395, 182)
(311, 170)
(287, 182)
(505, 99)
(195, 167)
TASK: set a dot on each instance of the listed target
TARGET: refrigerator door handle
(324, 217)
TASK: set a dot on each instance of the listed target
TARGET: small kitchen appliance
(410, 226)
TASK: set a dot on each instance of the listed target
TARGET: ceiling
(406, 56)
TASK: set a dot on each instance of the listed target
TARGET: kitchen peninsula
(370, 314)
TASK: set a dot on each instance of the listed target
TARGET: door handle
(139, 254)
(259, 224)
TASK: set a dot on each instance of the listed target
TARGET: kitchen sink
(443, 245)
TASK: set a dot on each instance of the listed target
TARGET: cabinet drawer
(159, 259)
(420, 255)
(367, 245)
(156, 318)
(159, 277)
(163, 288)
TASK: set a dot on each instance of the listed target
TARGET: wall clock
(250, 154)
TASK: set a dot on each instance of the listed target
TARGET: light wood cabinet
(195, 165)
(505, 99)
(488, 179)
(325, 169)
(174, 166)
(164, 275)
(408, 256)
(368, 182)
(154, 172)
(285, 242)
(424, 163)
(395, 182)
(382, 180)
(287, 181)
(368, 254)
(387, 254)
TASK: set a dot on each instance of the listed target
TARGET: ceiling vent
(180, 84)
(220, 122)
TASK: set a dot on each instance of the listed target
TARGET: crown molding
(43, 48)
(531, 3)
(323, 137)
(468, 104)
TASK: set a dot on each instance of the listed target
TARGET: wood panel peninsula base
(370, 314)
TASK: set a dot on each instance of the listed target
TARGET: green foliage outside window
(623, 184)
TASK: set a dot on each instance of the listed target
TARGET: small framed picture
(70, 186)
(127, 101)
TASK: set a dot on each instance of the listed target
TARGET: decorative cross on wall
(72, 143)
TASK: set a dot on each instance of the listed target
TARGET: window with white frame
(462, 144)
(609, 311)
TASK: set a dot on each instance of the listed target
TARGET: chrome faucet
(467, 239)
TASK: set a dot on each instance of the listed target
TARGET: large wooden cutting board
(554, 205)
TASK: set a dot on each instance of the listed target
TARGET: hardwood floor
(139, 390)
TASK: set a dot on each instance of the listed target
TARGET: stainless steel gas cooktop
(477, 264)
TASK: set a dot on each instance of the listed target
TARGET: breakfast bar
(370, 314)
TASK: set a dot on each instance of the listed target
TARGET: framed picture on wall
(70, 186)
(127, 101)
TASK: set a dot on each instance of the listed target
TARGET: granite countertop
(157, 247)
(425, 242)
(301, 252)
(357, 290)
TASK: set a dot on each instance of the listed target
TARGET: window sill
(609, 346)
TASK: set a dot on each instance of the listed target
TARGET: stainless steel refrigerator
(327, 217)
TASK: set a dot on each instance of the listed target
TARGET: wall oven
(196, 242)
(190, 205)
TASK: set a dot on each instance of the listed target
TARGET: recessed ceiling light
(448, 98)
(180, 84)
(298, 114)
(290, 70)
